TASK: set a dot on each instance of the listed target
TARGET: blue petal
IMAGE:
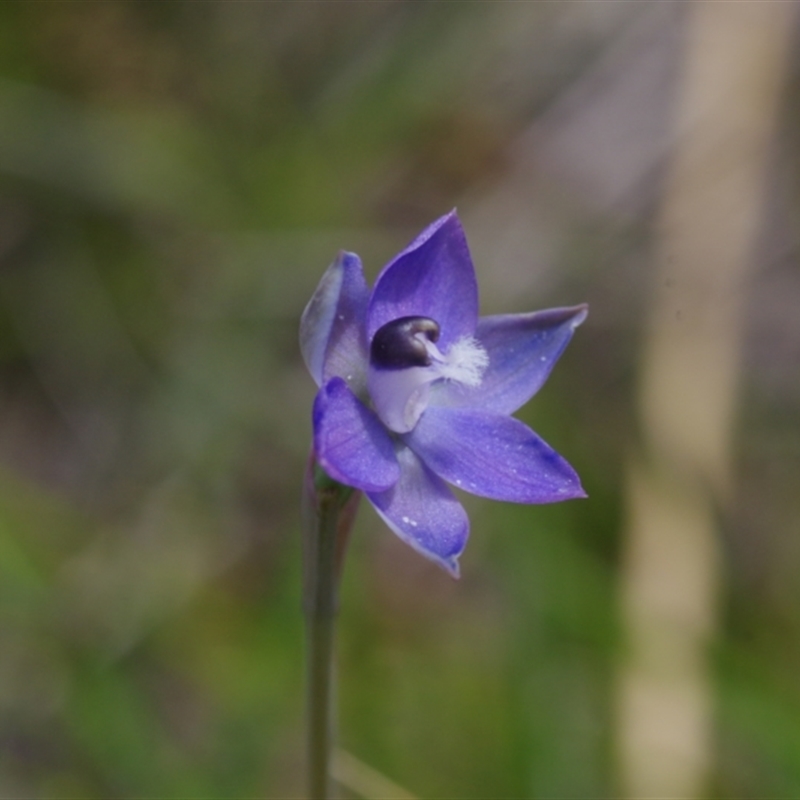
(332, 326)
(433, 277)
(423, 512)
(492, 455)
(350, 442)
(522, 350)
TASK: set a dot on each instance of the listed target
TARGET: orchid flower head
(416, 391)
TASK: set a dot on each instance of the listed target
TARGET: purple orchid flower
(416, 392)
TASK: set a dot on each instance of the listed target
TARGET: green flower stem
(330, 510)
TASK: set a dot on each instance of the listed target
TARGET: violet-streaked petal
(492, 455)
(351, 444)
(433, 277)
(332, 336)
(424, 513)
(522, 350)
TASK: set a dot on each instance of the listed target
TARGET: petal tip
(571, 315)
(451, 218)
(452, 567)
(448, 563)
(347, 260)
(573, 492)
(581, 312)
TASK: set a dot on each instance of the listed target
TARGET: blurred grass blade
(363, 780)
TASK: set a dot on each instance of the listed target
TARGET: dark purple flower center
(398, 344)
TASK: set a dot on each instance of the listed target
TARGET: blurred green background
(174, 179)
